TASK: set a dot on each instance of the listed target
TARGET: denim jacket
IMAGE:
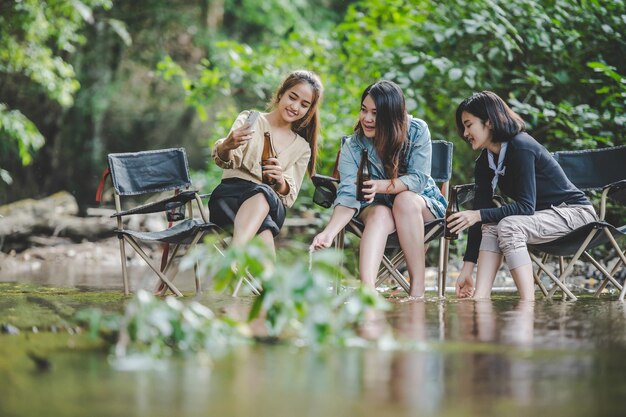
(414, 169)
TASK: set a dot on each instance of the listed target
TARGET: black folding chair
(148, 173)
(589, 170)
(441, 172)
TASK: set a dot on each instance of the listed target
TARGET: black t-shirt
(533, 180)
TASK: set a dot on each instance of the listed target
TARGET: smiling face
(367, 117)
(476, 132)
(294, 104)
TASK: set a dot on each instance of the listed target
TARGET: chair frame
(192, 230)
(599, 232)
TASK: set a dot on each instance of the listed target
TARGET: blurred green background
(80, 79)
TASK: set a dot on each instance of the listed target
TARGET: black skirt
(231, 193)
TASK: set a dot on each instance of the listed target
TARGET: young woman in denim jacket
(401, 195)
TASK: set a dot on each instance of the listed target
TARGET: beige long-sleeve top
(245, 161)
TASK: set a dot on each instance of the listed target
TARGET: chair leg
(397, 275)
(165, 269)
(156, 270)
(605, 281)
(537, 276)
(250, 281)
(383, 273)
(570, 266)
(339, 246)
(197, 279)
(124, 269)
(622, 256)
(442, 270)
(558, 283)
(608, 276)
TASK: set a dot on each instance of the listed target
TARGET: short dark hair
(488, 106)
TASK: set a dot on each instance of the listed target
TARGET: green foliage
(557, 63)
(297, 298)
(297, 303)
(159, 327)
(15, 125)
(36, 38)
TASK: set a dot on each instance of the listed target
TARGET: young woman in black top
(545, 204)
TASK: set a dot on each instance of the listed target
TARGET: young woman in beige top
(242, 201)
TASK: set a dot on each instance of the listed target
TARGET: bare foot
(412, 298)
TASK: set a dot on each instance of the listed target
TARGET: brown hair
(308, 127)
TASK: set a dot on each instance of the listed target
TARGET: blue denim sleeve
(418, 159)
(348, 167)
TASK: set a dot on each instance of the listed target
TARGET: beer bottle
(364, 174)
(453, 207)
(268, 152)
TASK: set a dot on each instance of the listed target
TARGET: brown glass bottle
(452, 208)
(268, 152)
(364, 174)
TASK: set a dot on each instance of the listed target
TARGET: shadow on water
(458, 358)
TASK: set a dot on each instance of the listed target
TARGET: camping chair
(589, 170)
(152, 172)
(441, 171)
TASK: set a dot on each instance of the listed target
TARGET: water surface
(453, 358)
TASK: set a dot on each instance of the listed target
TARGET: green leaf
(119, 27)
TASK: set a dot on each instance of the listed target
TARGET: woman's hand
(463, 220)
(273, 170)
(370, 188)
(237, 137)
(465, 282)
(322, 240)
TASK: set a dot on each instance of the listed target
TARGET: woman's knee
(509, 227)
(511, 233)
(408, 203)
(381, 217)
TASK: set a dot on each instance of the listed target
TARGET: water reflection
(487, 358)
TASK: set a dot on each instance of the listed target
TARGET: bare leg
(410, 212)
(488, 264)
(378, 226)
(523, 277)
(249, 218)
(268, 239)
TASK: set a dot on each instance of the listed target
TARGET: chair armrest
(616, 191)
(161, 205)
(319, 180)
(325, 190)
(465, 195)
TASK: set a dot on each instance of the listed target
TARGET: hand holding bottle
(368, 191)
(273, 173)
(463, 220)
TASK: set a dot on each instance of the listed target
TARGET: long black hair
(391, 123)
(488, 106)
